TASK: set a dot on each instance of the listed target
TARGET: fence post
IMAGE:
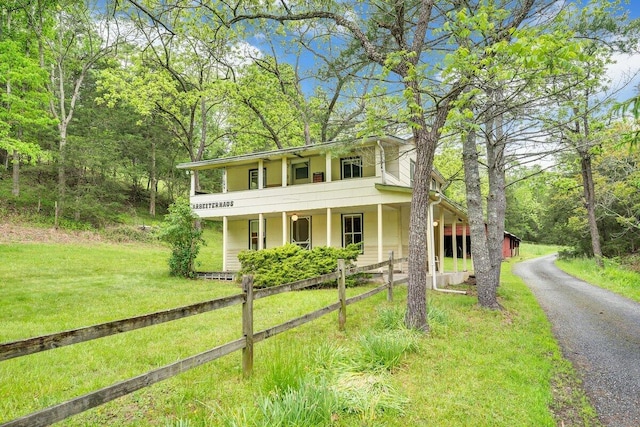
(247, 325)
(342, 295)
(390, 278)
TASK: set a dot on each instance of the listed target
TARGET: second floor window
(253, 178)
(351, 167)
(300, 173)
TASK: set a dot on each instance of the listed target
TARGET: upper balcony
(310, 177)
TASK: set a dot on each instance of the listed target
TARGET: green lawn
(477, 367)
(613, 277)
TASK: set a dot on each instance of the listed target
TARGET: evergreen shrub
(290, 263)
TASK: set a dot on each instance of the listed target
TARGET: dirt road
(598, 331)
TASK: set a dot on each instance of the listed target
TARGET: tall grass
(614, 277)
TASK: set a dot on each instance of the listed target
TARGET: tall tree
(503, 81)
(24, 97)
(410, 42)
(72, 37)
(583, 101)
(178, 74)
(264, 108)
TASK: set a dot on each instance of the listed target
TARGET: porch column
(225, 226)
(328, 227)
(327, 167)
(399, 220)
(260, 175)
(284, 172)
(192, 191)
(380, 240)
(464, 246)
(377, 154)
(431, 258)
(224, 180)
(260, 231)
(454, 243)
(441, 229)
(284, 228)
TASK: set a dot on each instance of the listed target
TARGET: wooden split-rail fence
(85, 402)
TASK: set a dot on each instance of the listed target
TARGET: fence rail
(27, 346)
(85, 402)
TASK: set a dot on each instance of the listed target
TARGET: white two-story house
(329, 194)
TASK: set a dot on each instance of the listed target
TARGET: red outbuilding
(510, 244)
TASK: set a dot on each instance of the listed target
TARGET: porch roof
(447, 203)
(301, 151)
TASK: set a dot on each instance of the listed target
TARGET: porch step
(216, 275)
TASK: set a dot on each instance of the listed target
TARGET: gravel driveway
(598, 331)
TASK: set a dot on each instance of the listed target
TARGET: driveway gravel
(598, 331)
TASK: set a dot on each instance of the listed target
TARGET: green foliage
(390, 318)
(369, 395)
(285, 371)
(527, 201)
(289, 263)
(127, 234)
(616, 277)
(180, 231)
(265, 108)
(23, 99)
(505, 358)
(334, 383)
(312, 404)
(384, 350)
(559, 204)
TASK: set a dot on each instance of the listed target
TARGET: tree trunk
(416, 317)
(487, 295)
(496, 200)
(154, 180)
(426, 138)
(62, 176)
(15, 189)
(590, 204)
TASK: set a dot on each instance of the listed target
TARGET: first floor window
(352, 230)
(254, 231)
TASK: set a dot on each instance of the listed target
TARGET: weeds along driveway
(598, 331)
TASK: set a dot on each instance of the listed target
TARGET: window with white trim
(253, 178)
(254, 231)
(352, 230)
(351, 167)
(300, 172)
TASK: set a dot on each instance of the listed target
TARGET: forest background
(101, 101)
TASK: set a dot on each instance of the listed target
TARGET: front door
(301, 232)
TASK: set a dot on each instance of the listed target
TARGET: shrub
(289, 263)
(127, 233)
(180, 231)
(569, 253)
